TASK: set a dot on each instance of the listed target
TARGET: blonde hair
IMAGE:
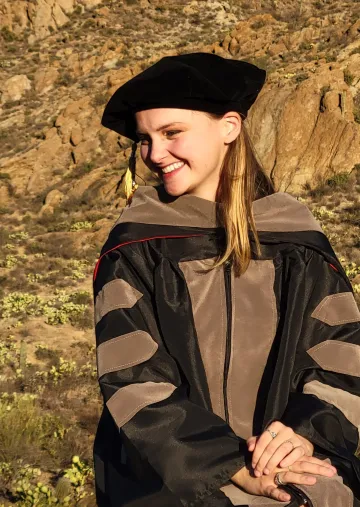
(242, 180)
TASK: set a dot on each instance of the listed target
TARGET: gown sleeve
(192, 449)
(324, 403)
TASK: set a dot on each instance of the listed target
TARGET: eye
(171, 133)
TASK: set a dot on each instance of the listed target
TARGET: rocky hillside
(60, 184)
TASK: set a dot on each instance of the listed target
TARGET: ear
(231, 126)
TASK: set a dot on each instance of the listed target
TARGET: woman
(228, 341)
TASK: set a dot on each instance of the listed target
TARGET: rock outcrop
(305, 133)
(14, 88)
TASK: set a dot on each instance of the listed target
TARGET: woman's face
(186, 148)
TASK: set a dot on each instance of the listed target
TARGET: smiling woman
(180, 157)
(228, 338)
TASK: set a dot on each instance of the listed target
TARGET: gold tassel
(130, 185)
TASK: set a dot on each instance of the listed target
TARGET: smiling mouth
(172, 167)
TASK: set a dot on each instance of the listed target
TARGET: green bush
(348, 77)
(7, 34)
(338, 180)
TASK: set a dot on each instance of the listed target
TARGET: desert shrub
(79, 226)
(65, 79)
(7, 34)
(100, 99)
(23, 426)
(348, 77)
(338, 180)
(81, 170)
(301, 77)
(44, 353)
(4, 237)
(306, 46)
(61, 308)
(28, 434)
(258, 24)
(357, 107)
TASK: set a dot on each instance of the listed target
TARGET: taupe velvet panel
(277, 212)
(282, 212)
(125, 351)
(254, 328)
(347, 403)
(129, 400)
(207, 294)
(238, 497)
(337, 309)
(147, 208)
(116, 294)
(329, 492)
(337, 356)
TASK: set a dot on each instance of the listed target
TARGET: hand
(298, 474)
(282, 450)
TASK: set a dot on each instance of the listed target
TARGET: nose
(157, 151)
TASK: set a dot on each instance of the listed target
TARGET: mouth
(172, 169)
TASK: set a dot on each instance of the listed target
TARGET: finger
(317, 461)
(261, 444)
(265, 439)
(305, 467)
(271, 448)
(308, 446)
(295, 478)
(287, 450)
(251, 442)
(277, 494)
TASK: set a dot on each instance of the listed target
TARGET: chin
(176, 190)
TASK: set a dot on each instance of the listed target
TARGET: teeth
(172, 167)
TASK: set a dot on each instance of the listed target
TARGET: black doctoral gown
(193, 360)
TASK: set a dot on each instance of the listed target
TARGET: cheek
(185, 148)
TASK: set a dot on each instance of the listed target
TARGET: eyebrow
(162, 127)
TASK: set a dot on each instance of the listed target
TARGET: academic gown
(192, 360)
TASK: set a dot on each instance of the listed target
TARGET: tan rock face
(89, 4)
(306, 133)
(14, 88)
(40, 16)
(47, 13)
(44, 79)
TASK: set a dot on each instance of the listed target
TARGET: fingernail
(311, 480)
(285, 498)
(257, 473)
(266, 471)
(253, 465)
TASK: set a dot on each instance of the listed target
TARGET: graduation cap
(196, 81)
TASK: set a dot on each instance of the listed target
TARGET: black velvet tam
(196, 81)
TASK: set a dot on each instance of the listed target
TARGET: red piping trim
(332, 265)
(138, 241)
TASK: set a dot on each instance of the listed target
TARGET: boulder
(305, 133)
(14, 88)
(44, 79)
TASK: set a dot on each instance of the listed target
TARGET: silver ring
(272, 433)
(290, 442)
(278, 480)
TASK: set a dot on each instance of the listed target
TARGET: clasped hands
(280, 454)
